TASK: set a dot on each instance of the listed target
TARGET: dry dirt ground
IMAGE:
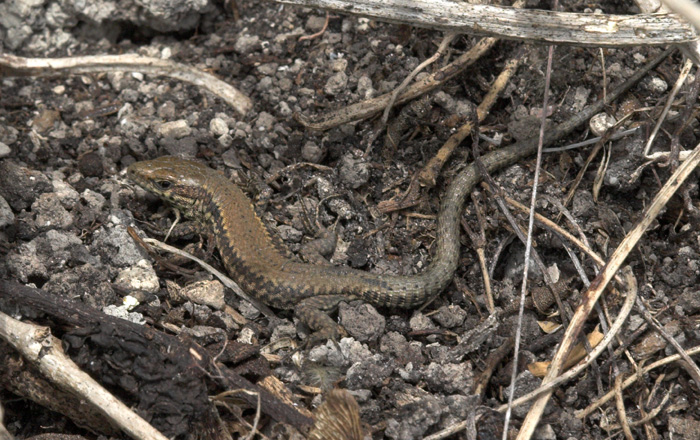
(65, 205)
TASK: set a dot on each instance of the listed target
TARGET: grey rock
(93, 200)
(420, 322)
(449, 378)
(7, 217)
(364, 87)
(311, 152)
(369, 373)
(336, 84)
(247, 44)
(265, 122)
(450, 316)
(353, 172)
(8, 134)
(65, 193)
(26, 265)
(122, 312)
(167, 110)
(49, 252)
(527, 127)
(362, 321)
(160, 15)
(87, 282)
(288, 233)
(526, 382)
(218, 127)
(20, 186)
(138, 277)
(248, 310)
(230, 158)
(209, 293)
(226, 320)
(115, 246)
(415, 418)
(50, 213)
(315, 23)
(175, 129)
(4, 150)
(204, 335)
(282, 331)
(689, 300)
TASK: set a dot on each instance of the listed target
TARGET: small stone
(336, 84)
(50, 213)
(93, 200)
(205, 335)
(174, 129)
(450, 316)
(247, 44)
(420, 322)
(208, 293)
(167, 110)
(20, 186)
(248, 310)
(4, 150)
(339, 65)
(265, 122)
(138, 277)
(364, 87)
(600, 123)
(689, 300)
(289, 233)
(282, 331)
(362, 321)
(369, 373)
(6, 215)
(90, 165)
(353, 172)
(218, 127)
(230, 158)
(449, 378)
(311, 152)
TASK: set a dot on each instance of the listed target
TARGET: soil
(65, 205)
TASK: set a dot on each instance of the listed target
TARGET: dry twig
(534, 26)
(11, 65)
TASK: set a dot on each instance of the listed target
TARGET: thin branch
(11, 65)
(590, 297)
(534, 26)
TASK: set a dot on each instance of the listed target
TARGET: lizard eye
(164, 184)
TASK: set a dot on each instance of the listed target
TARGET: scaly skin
(255, 263)
(252, 259)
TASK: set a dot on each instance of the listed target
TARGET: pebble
(218, 127)
(4, 150)
(90, 165)
(6, 215)
(362, 321)
(138, 277)
(311, 152)
(247, 44)
(600, 123)
(265, 121)
(50, 213)
(174, 129)
(336, 84)
(353, 172)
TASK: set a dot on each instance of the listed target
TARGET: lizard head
(179, 181)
